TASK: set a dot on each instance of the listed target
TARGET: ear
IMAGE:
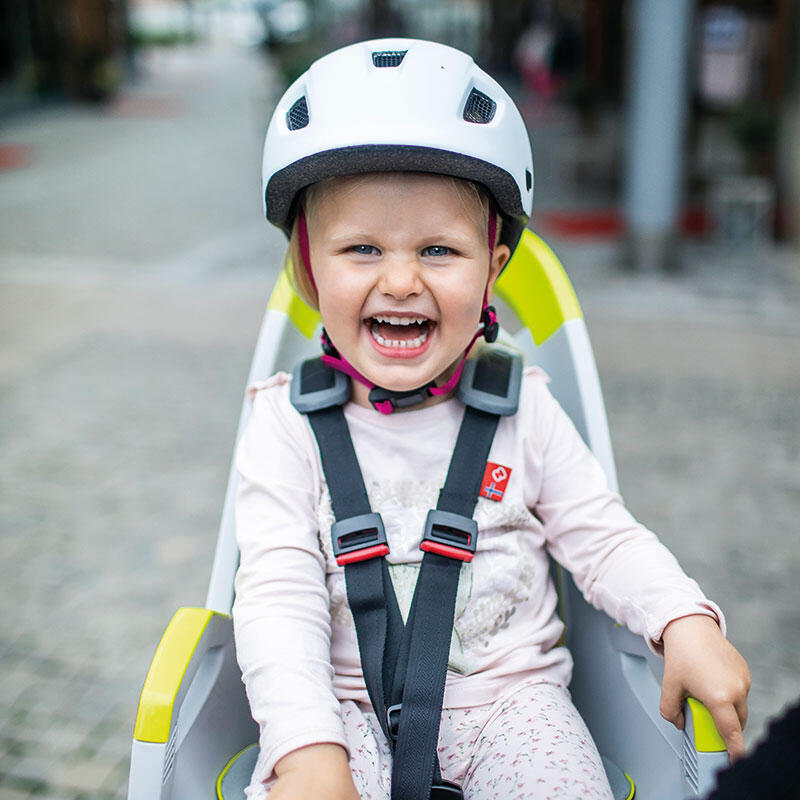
(499, 260)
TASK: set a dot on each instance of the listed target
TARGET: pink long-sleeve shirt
(295, 636)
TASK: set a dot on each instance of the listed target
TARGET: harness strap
(405, 669)
(370, 593)
(421, 669)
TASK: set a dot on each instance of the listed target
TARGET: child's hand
(319, 771)
(700, 662)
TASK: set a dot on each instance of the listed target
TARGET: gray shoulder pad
(316, 386)
(491, 382)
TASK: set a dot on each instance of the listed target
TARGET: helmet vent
(388, 58)
(297, 115)
(479, 108)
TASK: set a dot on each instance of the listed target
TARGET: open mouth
(400, 332)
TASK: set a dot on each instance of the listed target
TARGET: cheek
(340, 299)
(464, 298)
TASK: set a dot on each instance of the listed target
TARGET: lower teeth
(401, 343)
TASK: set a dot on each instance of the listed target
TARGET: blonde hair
(471, 196)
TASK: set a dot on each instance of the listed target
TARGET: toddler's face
(401, 264)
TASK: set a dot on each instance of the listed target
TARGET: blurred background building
(688, 110)
(67, 48)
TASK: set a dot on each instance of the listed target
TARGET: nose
(400, 277)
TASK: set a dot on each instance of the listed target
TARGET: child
(403, 175)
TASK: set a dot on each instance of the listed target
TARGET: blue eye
(436, 250)
(365, 249)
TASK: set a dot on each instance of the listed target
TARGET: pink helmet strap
(492, 231)
(305, 247)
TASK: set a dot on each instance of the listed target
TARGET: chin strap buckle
(386, 401)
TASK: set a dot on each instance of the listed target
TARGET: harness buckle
(451, 535)
(393, 721)
(358, 539)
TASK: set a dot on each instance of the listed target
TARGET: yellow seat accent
(166, 673)
(226, 769)
(633, 787)
(706, 736)
(285, 299)
(536, 287)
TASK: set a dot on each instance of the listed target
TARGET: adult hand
(319, 771)
(700, 662)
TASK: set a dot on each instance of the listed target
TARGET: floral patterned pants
(529, 745)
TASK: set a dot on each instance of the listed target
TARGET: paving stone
(8, 792)
(85, 775)
(36, 768)
(20, 784)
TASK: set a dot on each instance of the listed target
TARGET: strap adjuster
(446, 790)
(449, 534)
(393, 721)
(358, 539)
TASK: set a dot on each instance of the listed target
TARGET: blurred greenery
(163, 38)
(294, 58)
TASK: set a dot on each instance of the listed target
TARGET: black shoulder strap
(450, 537)
(405, 669)
(358, 534)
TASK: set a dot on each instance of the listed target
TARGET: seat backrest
(616, 680)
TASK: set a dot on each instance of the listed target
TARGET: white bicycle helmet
(398, 105)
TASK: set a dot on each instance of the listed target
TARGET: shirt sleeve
(281, 612)
(620, 566)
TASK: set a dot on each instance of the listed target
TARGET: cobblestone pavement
(134, 267)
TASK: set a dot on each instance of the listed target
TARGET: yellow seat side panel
(285, 299)
(166, 673)
(706, 735)
(536, 287)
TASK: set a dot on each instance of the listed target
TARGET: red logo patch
(495, 480)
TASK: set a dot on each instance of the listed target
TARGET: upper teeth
(401, 320)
